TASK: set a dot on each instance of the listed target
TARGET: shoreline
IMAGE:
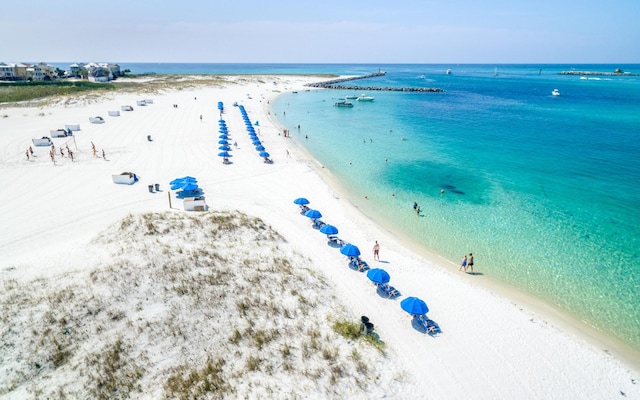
(535, 305)
(486, 335)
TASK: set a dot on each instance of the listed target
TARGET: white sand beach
(62, 228)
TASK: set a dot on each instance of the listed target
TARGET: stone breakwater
(597, 73)
(334, 84)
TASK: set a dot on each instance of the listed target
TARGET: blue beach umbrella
(222, 142)
(224, 154)
(260, 147)
(180, 182)
(264, 154)
(301, 201)
(225, 148)
(257, 142)
(189, 187)
(329, 229)
(378, 275)
(414, 306)
(313, 214)
(350, 250)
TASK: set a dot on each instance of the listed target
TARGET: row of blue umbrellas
(224, 138)
(411, 305)
(252, 133)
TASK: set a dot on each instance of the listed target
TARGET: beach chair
(429, 326)
(390, 291)
(318, 224)
(362, 265)
(335, 239)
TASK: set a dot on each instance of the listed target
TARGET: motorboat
(351, 97)
(364, 97)
(555, 92)
(448, 72)
(343, 103)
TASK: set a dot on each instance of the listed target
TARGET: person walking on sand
(104, 157)
(463, 264)
(31, 150)
(470, 262)
(200, 117)
(376, 251)
(27, 153)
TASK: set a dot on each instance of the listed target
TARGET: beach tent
(72, 126)
(114, 113)
(58, 133)
(43, 141)
(125, 178)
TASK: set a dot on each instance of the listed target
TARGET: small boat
(343, 103)
(449, 72)
(364, 97)
(555, 92)
(351, 97)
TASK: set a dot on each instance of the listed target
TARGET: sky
(327, 31)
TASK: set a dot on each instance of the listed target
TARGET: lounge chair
(318, 224)
(390, 291)
(335, 239)
(363, 266)
(429, 326)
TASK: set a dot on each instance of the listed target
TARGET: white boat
(449, 72)
(343, 103)
(351, 97)
(364, 97)
(555, 92)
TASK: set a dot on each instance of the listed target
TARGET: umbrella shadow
(334, 244)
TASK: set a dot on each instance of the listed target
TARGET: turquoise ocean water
(544, 190)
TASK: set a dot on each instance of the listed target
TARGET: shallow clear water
(544, 190)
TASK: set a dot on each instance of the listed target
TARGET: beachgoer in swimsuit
(463, 264)
(470, 262)
(376, 251)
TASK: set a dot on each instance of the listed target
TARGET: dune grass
(213, 305)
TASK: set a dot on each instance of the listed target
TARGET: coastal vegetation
(12, 92)
(24, 91)
(230, 308)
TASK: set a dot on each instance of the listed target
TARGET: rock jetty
(335, 84)
(598, 73)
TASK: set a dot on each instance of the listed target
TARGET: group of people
(467, 263)
(416, 208)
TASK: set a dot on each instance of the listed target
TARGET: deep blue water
(544, 190)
